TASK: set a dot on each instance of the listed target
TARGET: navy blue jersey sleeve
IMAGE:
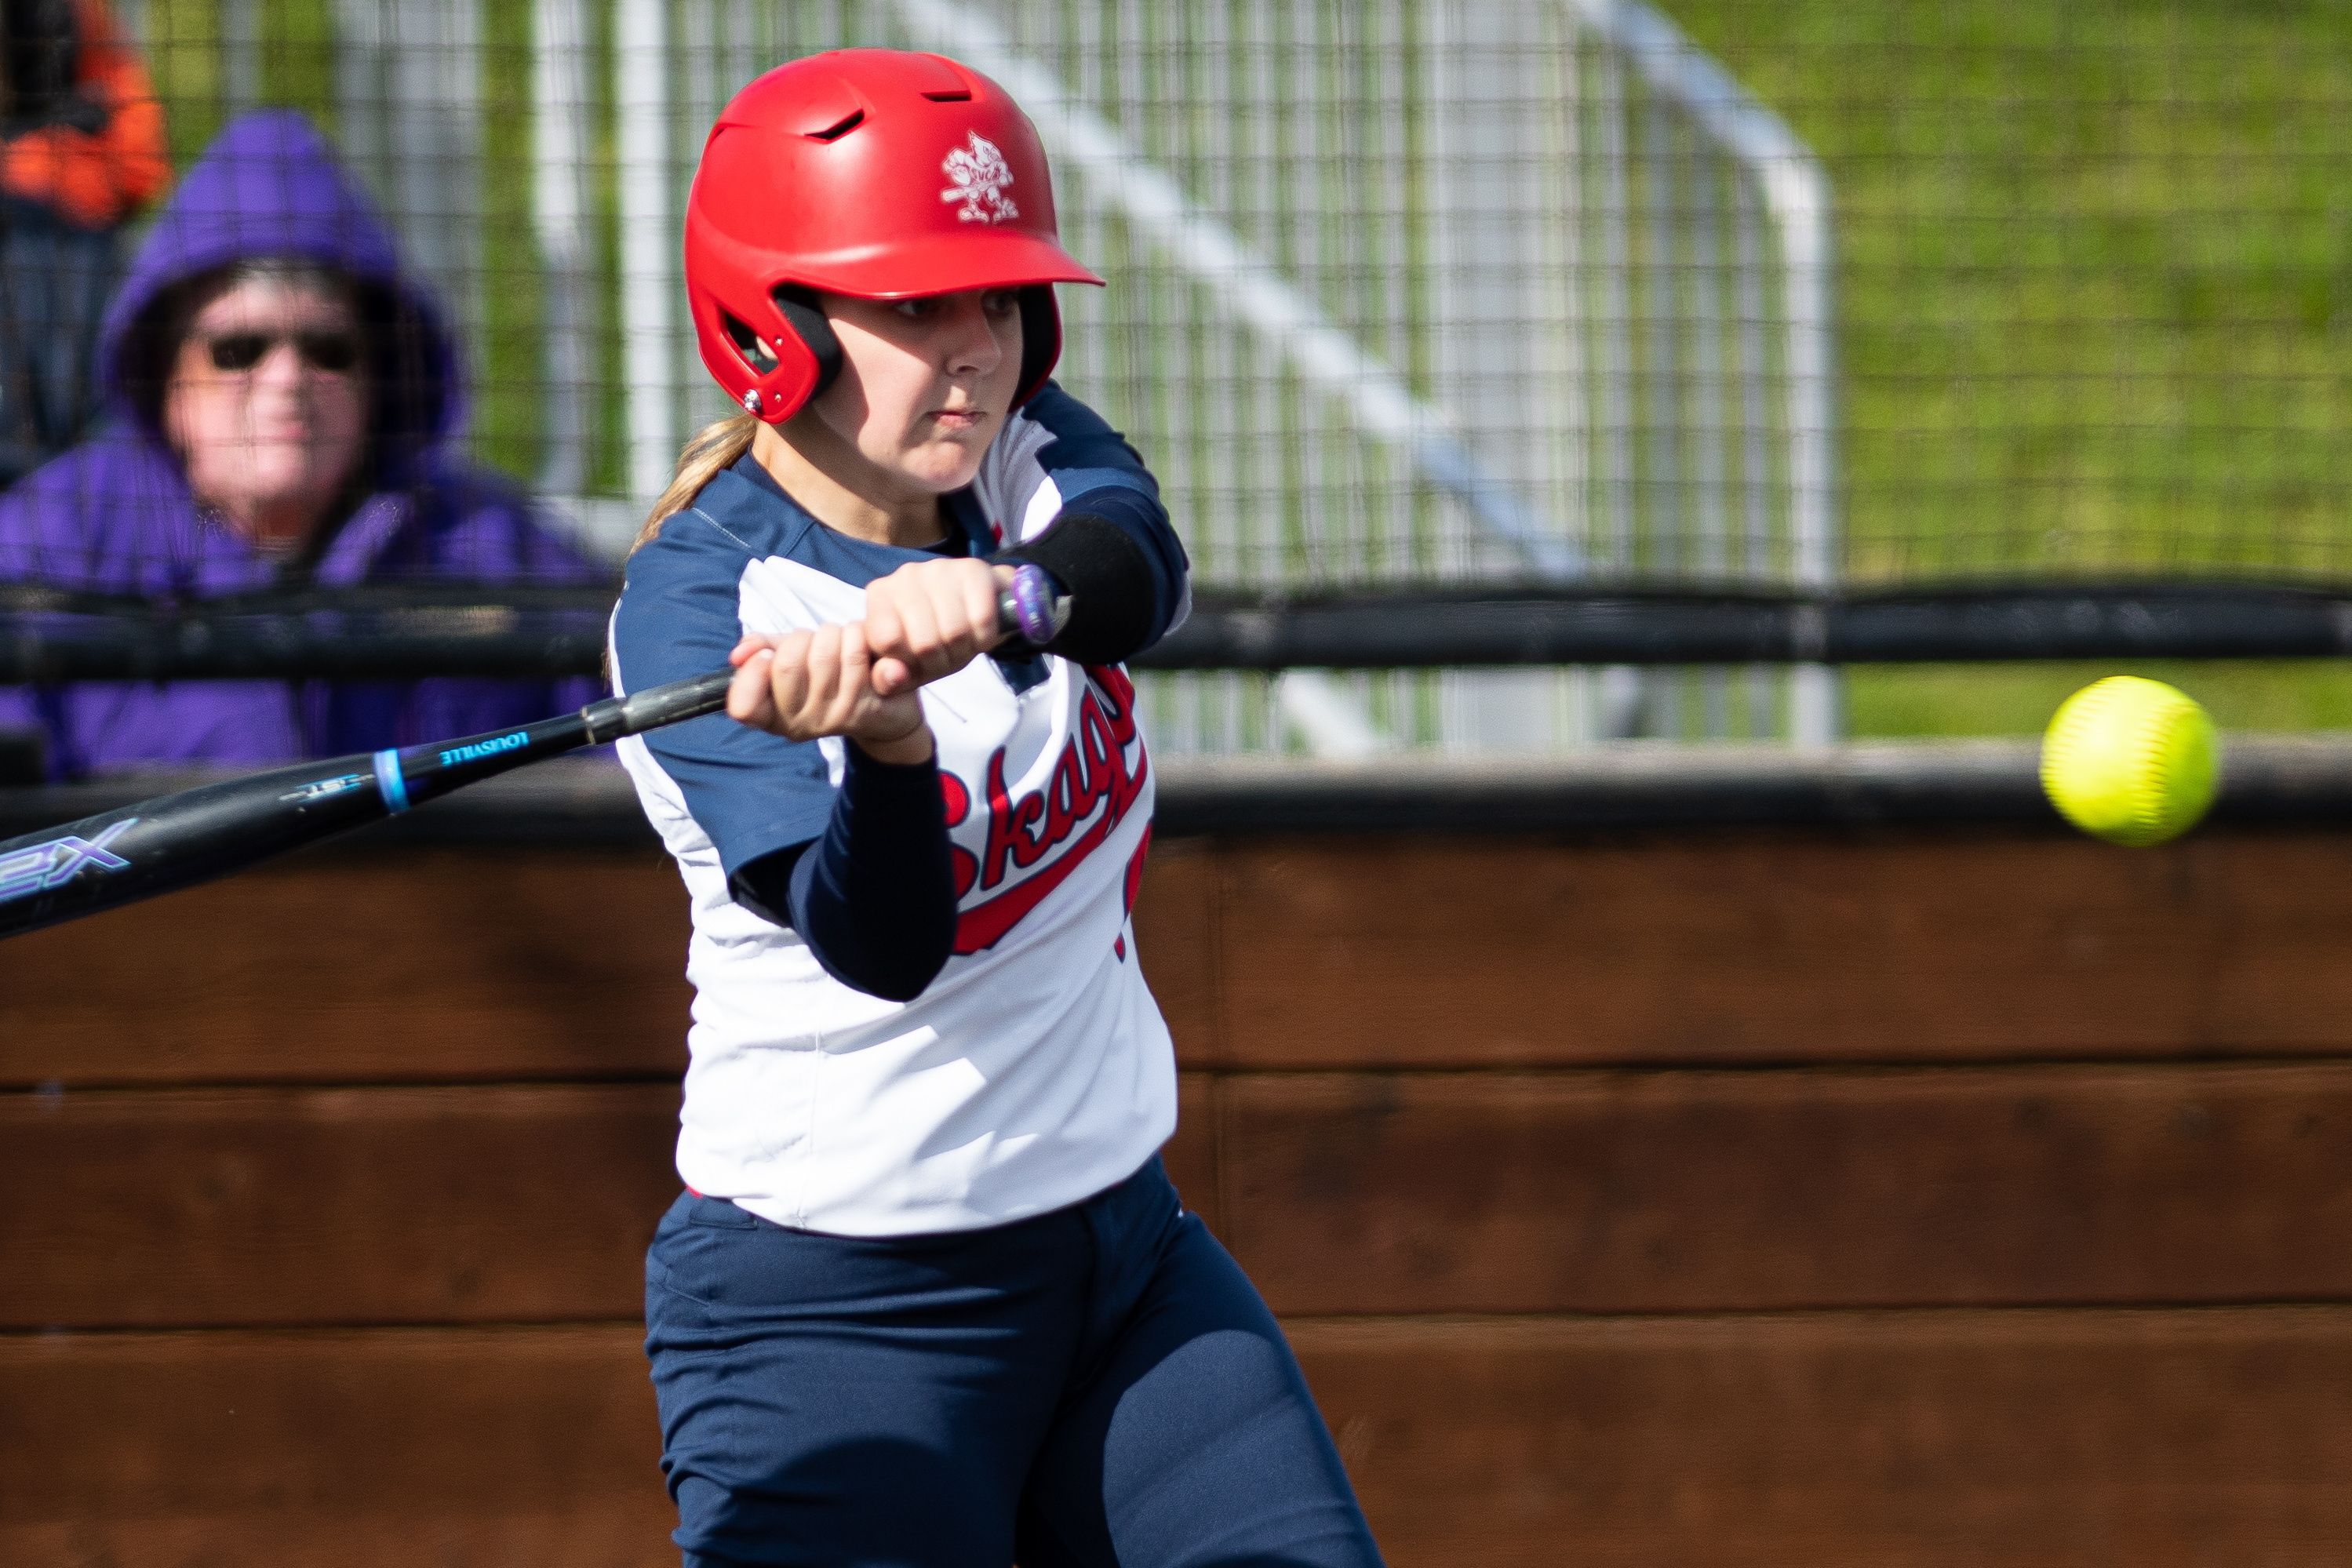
(874, 898)
(1099, 473)
(754, 793)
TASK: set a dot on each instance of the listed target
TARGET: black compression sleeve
(1113, 603)
(875, 897)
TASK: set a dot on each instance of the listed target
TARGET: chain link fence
(1717, 297)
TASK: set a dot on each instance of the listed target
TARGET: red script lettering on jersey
(1091, 785)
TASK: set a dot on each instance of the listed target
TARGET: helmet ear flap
(800, 308)
(1040, 340)
(1041, 343)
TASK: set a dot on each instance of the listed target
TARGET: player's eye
(921, 309)
(1001, 301)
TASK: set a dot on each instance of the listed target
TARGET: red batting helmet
(870, 172)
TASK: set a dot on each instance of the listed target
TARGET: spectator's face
(925, 384)
(268, 408)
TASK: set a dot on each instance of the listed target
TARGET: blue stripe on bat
(389, 782)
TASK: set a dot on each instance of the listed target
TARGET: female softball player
(929, 1298)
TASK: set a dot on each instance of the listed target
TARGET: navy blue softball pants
(1092, 1387)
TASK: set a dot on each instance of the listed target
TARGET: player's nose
(972, 346)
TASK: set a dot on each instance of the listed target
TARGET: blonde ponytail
(713, 447)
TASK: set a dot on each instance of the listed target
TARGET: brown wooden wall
(1730, 1199)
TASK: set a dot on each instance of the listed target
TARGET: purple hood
(271, 186)
(114, 515)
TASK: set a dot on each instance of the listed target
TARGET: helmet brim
(946, 264)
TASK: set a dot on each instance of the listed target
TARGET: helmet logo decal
(981, 175)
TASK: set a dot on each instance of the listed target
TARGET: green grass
(2095, 302)
(183, 59)
(508, 427)
(1888, 701)
(2095, 275)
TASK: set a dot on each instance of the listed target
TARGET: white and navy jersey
(1034, 1071)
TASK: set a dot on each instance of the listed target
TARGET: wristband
(1032, 606)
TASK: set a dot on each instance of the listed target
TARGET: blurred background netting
(1721, 293)
(2095, 279)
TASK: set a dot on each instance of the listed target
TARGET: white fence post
(1794, 191)
(558, 164)
(649, 249)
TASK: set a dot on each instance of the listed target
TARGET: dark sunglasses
(332, 353)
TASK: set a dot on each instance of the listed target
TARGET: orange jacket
(96, 179)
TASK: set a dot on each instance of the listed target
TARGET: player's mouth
(959, 419)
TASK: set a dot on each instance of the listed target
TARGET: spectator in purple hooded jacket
(284, 401)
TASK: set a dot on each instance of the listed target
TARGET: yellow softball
(2131, 762)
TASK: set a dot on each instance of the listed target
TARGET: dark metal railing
(410, 631)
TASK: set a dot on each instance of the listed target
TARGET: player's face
(268, 407)
(925, 383)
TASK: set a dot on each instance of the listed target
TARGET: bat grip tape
(389, 783)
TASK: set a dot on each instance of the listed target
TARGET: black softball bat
(176, 840)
